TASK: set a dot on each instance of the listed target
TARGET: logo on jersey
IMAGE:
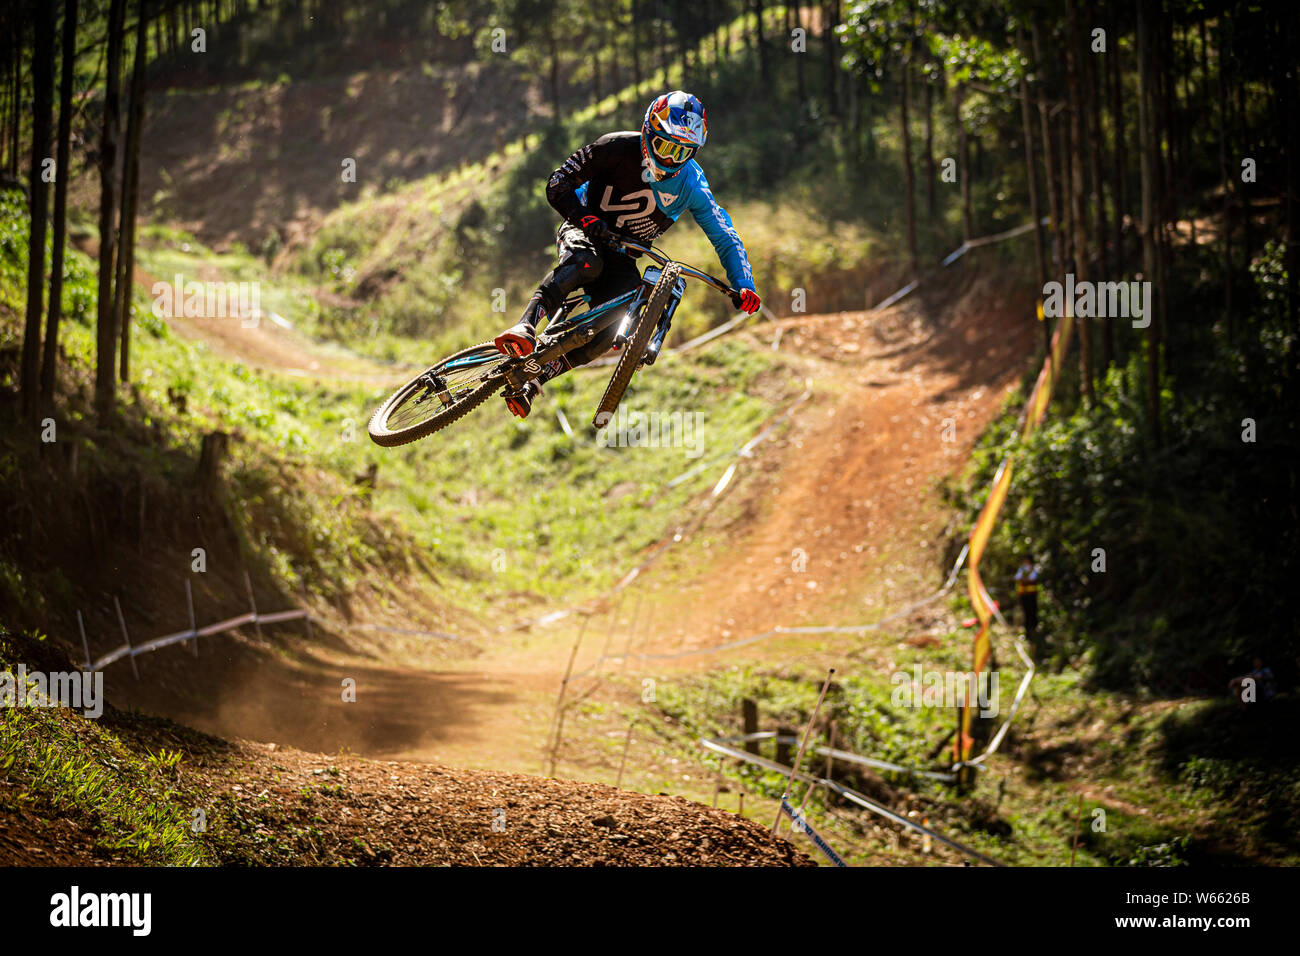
(641, 208)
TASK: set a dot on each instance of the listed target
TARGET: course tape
(985, 609)
(803, 826)
(128, 650)
(853, 796)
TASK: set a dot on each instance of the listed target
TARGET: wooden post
(627, 742)
(749, 717)
(559, 734)
(252, 605)
(811, 787)
(86, 647)
(189, 602)
(609, 633)
(1075, 845)
(631, 632)
(122, 621)
(783, 746)
(798, 758)
(302, 587)
(557, 719)
(740, 810)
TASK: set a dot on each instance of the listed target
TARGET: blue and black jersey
(606, 178)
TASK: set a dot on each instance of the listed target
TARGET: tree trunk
(1226, 174)
(38, 193)
(1078, 186)
(832, 13)
(760, 41)
(1092, 95)
(131, 189)
(106, 331)
(1031, 179)
(555, 72)
(50, 360)
(929, 148)
(636, 51)
(908, 177)
(1119, 189)
(800, 83)
(1147, 156)
(963, 154)
(16, 104)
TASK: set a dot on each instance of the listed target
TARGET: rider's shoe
(520, 403)
(521, 338)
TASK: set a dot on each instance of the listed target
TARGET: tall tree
(1147, 161)
(909, 186)
(1078, 185)
(42, 106)
(130, 190)
(1031, 177)
(67, 74)
(106, 329)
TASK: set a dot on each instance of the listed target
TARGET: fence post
(84, 646)
(627, 742)
(557, 721)
(749, 718)
(631, 632)
(189, 603)
(803, 744)
(782, 746)
(252, 605)
(302, 586)
(130, 651)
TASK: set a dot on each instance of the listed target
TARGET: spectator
(1027, 591)
(1263, 686)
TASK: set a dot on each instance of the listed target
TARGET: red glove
(595, 227)
(749, 301)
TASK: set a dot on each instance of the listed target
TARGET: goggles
(669, 150)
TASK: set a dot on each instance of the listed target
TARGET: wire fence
(131, 650)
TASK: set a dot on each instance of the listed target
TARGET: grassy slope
(538, 526)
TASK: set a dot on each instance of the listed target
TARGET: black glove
(595, 228)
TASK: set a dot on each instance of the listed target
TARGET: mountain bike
(454, 387)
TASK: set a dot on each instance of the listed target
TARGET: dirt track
(899, 398)
(849, 482)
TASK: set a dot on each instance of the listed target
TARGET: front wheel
(439, 396)
(635, 346)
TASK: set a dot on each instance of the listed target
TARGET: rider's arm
(715, 222)
(562, 188)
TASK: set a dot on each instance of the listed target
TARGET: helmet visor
(670, 151)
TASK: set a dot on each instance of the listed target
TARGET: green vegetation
(1200, 784)
(1199, 537)
(542, 526)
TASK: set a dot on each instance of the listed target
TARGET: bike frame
(552, 346)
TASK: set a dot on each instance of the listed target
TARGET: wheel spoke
(442, 387)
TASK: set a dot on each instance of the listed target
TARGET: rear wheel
(439, 396)
(636, 344)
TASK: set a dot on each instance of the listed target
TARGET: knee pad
(577, 269)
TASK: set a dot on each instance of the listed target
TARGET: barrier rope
(720, 745)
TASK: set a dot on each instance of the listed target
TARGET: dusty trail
(900, 397)
(263, 341)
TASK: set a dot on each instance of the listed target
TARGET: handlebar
(630, 245)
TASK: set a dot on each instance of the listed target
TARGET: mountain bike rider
(633, 185)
